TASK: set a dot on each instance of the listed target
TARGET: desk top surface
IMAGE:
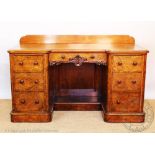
(78, 48)
(83, 46)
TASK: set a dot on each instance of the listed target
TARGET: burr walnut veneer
(77, 72)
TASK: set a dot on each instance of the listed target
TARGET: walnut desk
(77, 72)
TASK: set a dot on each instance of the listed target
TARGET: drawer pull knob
(36, 102)
(36, 81)
(119, 81)
(134, 82)
(21, 63)
(92, 56)
(35, 63)
(118, 102)
(119, 63)
(134, 63)
(22, 101)
(21, 81)
(62, 57)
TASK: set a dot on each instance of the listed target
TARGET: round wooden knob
(119, 81)
(134, 63)
(35, 63)
(21, 81)
(36, 81)
(63, 57)
(134, 82)
(21, 63)
(119, 63)
(36, 102)
(92, 56)
(22, 101)
(118, 102)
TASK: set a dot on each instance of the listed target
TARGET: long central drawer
(85, 57)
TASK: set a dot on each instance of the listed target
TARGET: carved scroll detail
(77, 60)
(100, 63)
(52, 63)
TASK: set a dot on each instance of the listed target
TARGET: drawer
(28, 63)
(125, 102)
(126, 81)
(29, 101)
(28, 82)
(85, 57)
(127, 63)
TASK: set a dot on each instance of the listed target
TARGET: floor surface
(76, 122)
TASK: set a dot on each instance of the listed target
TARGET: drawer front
(28, 82)
(125, 102)
(127, 82)
(28, 64)
(90, 57)
(29, 101)
(127, 63)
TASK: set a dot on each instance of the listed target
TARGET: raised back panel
(77, 39)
